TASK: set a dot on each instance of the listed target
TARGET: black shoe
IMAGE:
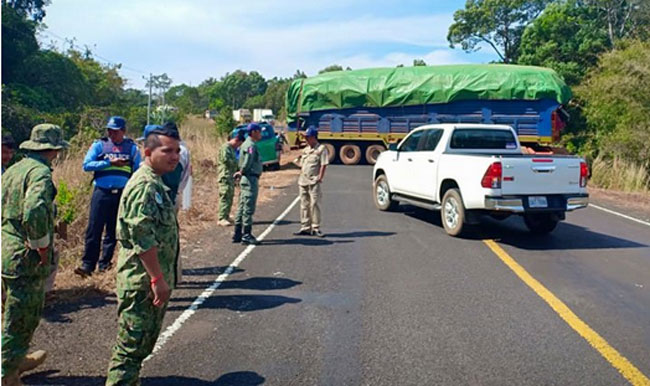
(248, 238)
(82, 272)
(107, 268)
(302, 232)
(236, 236)
(317, 233)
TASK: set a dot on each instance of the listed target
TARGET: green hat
(45, 136)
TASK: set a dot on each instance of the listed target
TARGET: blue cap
(311, 131)
(253, 126)
(147, 130)
(240, 134)
(116, 123)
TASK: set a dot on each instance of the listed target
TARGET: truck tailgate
(539, 175)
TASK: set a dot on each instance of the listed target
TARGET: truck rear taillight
(492, 177)
(584, 173)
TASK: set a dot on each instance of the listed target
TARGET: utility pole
(149, 102)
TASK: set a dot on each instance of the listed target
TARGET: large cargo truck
(359, 113)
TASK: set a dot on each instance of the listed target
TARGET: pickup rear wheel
(382, 195)
(541, 223)
(452, 212)
(350, 154)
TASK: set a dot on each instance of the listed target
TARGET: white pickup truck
(469, 170)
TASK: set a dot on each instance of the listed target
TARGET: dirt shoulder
(632, 204)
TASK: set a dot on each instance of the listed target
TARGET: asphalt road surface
(389, 299)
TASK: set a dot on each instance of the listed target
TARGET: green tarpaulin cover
(408, 86)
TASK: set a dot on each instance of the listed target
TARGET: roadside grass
(620, 175)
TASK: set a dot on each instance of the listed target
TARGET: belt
(110, 190)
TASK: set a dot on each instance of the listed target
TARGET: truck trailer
(360, 113)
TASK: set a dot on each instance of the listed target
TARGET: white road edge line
(182, 318)
(620, 214)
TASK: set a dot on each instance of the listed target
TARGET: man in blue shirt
(112, 159)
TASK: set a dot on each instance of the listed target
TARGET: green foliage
(67, 201)
(331, 68)
(498, 23)
(224, 121)
(567, 37)
(28, 8)
(419, 62)
(616, 105)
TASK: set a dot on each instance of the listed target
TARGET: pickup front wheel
(541, 223)
(382, 195)
(452, 212)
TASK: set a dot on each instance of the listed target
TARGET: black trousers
(103, 214)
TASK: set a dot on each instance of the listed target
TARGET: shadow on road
(281, 222)
(240, 378)
(260, 283)
(209, 271)
(68, 301)
(306, 241)
(512, 231)
(244, 303)
(359, 234)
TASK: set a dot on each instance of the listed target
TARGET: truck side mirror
(392, 146)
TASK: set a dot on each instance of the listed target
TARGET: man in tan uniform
(313, 162)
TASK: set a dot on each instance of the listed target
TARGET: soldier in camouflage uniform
(148, 235)
(227, 167)
(250, 169)
(27, 247)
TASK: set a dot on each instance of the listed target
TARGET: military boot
(248, 238)
(11, 380)
(31, 361)
(236, 237)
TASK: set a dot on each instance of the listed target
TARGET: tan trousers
(310, 198)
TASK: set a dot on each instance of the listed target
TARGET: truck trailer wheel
(452, 212)
(372, 153)
(382, 195)
(350, 154)
(331, 151)
(541, 223)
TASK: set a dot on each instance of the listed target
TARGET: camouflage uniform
(250, 163)
(27, 224)
(227, 167)
(146, 219)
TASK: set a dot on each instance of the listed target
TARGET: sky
(194, 40)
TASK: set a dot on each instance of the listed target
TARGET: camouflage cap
(45, 136)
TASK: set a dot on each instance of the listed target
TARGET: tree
(498, 23)
(186, 98)
(623, 18)
(237, 87)
(224, 121)
(18, 43)
(419, 62)
(331, 68)
(616, 104)
(27, 8)
(567, 37)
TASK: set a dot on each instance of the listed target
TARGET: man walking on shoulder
(312, 161)
(148, 234)
(250, 169)
(27, 247)
(227, 167)
(112, 159)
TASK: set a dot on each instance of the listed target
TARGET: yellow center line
(620, 363)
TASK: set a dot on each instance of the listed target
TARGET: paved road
(390, 299)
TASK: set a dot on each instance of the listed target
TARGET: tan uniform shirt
(311, 160)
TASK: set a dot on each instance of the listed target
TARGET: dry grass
(620, 175)
(201, 138)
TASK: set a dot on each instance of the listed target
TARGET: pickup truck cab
(469, 170)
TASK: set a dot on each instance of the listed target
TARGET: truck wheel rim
(382, 193)
(451, 213)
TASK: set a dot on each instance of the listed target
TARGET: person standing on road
(8, 150)
(112, 159)
(147, 231)
(227, 166)
(313, 161)
(27, 247)
(250, 170)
